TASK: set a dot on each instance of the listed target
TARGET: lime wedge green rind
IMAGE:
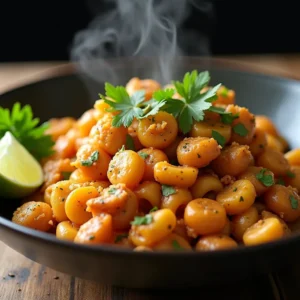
(20, 172)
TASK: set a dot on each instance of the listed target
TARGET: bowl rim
(73, 69)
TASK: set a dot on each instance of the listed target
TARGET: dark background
(43, 30)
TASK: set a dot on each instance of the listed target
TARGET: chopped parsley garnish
(93, 158)
(294, 202)
(24, 127)
(112, 190)
(167, 190)
(129, 107)
(176, 245)
(290, 174)
(219, 138)
(241, 199)
(129, 144)
(240, 129)
(155, 208)
(143, 155)
(120, 237)
(235, 189)
(66, 175)
(142, 220)
(280, 181)
(265, 179)
(224, 91)
(92, 237)
(226, 117)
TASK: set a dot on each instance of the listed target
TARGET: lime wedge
(20, 172)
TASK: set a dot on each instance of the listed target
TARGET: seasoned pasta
(167, 172)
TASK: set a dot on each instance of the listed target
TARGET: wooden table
(20, 278)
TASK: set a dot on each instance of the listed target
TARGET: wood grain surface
(23, 279)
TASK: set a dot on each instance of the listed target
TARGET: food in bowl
(176, 168)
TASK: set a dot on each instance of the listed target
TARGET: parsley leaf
(112, 190)
(155, 208)
(66, 175)
(167, 190)
(142, 220)
(294, 202)
(120, 237)
(161, 95)
(176, 245)
(93, 158)
(290, 174)
(129, 107)
(224, 91)
(240, 129)
(143, 155)
(129, 144)
(266, 180)
(242, 199)
(280, 181)
(194, 103)
(226, 117)
(24, 127)
(219, 138)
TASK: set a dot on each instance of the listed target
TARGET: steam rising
(141, 28)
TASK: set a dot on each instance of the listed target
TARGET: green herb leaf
(93, 158)
(161, 95)
(155, 208)
(226, 117)
(294, 202)
(219, 138)
(92, 237)
(142, 220)
(112, 190)
(167, 190)
(240, 129)
(20, 122)
(290, 174)
(143, 155)
(241, 199)
(129, 143)
(265, 179)
(176, 245)
(120, 237)
(224, 91)
(280, 181)
(129, 107)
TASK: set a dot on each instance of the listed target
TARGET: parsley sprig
(129, 107)
(26, 129)
(193, 103)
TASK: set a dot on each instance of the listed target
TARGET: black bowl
(73, 93)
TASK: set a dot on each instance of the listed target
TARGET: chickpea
(148, 85)
(149, 191)
(237, 197)
(36, 215)
(233, 160)
(293, 157)
(265, 123)
(181, 176)
(246, 120)
(65, 145)
(158, 131)
(172, 242)
(106, 136)
(205, 216)
(75, 204)
(205, 129)
(197, 152)
(266, 214)
(159, 225)
(263, 183)
(204, 184)
(259, 142)
(177, 200)
(86, 122)
(260, 206)
(98, 230)
(240, 223)
(215, 242)
(59, 194)
(151, 156)
(227, 228)
(274, 143)
(181, 230)
(59, 127)
(126, 167)
(273, 160)
(263, 231)
(171, 150)
(225, 96)
(283, 201)
(92, 161)
(66, 230)
(293, 177)
(132, 131)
